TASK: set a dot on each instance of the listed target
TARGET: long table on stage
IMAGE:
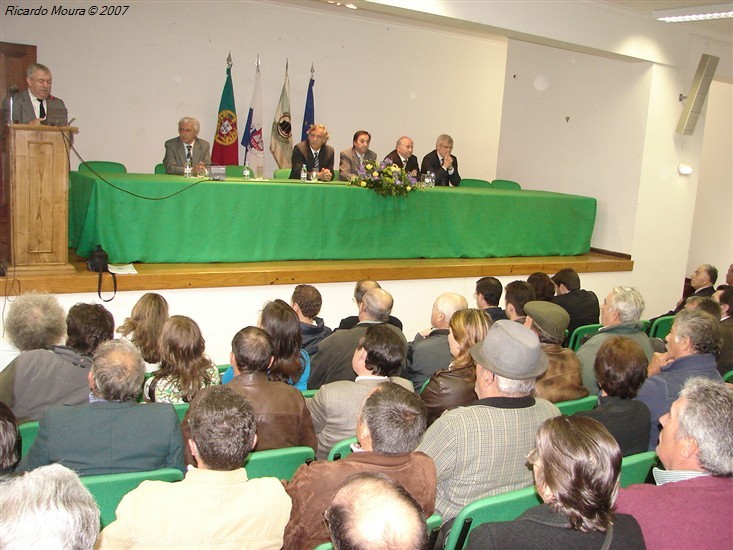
(171, 219)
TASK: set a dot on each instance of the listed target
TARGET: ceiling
(646, 7)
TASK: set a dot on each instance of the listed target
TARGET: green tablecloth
(235, 221)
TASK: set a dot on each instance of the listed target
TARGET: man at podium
(36, 105)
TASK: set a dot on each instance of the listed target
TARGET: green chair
(424, 385)
(108, 490)
(469, 182)
(661, 327)
(309, 393)
(635, 468)
(223, 368)
(505, 184)
(181, 409)
(503, 507)
(583, 404)
(159, 169)
(341, 449)
(577, 336)
(281, 174)
(28, 432)
(102, 166)
(646, 324)
(324, 546)
(279, 463)
(728, 376)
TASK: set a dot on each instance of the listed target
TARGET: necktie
(316, 162)
(41, 110)
(188, 153)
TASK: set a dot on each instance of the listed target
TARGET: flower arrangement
(385, 179)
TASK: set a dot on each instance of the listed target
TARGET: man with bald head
(402, 156)
(429, 351)
(333, 360)
(187, 148)
(361, 288)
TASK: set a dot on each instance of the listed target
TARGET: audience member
(360, 289)
(352, 160)
(429, 351)
(544, 288)
(577, 466)
(215, 506)
(728, 277)
(144, 326)
(708, 305)
(562, 380)
(441, 162)
(48, 508)
(283, 420)
(306, 302)
(10, 441)
(488, 293)
(314, 154)
(517, 294)
(34, 104)
(692, 346)
(702, 282)
(378, 357)
(690, 505)
(334, 358)
(372, 511)
(390, 425)
(620, 314)
(620, 368)
(581, 305)
(38, 379)
(402, 156)
(187, 149)
(502, 423)
(34, 321)
(112, 433)
(725, 359)
(184, 368)
(455, 386)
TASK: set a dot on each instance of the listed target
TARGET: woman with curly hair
(454, 386)
(144, 326)
(184, 369)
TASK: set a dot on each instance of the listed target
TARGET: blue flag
(309, 117)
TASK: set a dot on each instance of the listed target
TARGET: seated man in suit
(187, 148)
(111, 434)
(517, 294)
(352, 159)
(581, 305)
(488, 292)
(35, 104)
(702, 282)
(360, 289)
(389, 428)
(402, 156)
(216, 506)
(725, 359)
(314, 154)
(442, 163)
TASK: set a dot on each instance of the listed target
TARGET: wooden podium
(39, 198)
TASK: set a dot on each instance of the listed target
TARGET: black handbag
(99, 262)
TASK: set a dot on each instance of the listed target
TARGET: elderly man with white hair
(620, 314)
(187, 149)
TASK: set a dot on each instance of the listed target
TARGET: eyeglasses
(532, 458)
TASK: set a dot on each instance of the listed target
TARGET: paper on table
(127, 269)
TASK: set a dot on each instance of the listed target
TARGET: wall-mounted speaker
(697, 95)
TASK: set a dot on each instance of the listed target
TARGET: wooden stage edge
(179, 276)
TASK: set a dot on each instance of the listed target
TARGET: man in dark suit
(702, 282)
(581, 305)
(187, 147)
(33, 105)
(402, 156)
(314, 154)
(442, 163)
(350, 160)
(111, 434)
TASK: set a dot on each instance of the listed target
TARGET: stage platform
(216, 275)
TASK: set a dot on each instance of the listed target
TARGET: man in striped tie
(187, 148)
(314, 154)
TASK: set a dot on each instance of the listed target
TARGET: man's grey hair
(628, 302)
(701, 328)
(515, 388)
(396, 419)
(707, 416)
(37, 67)
(378, 304)
(712, 272)
(190, 119)
(118, 371)
(48, 507)
(449, 303)
(443, 138)
(36, 321)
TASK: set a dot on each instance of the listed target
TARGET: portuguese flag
(226, 143)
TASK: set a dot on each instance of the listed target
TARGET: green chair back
(309, 393)
(503, 507)
(159, 168)
(577, 336)
(181, 409)
(109, 489)
(424, 385)
(646, 324)
(635, 468)
(279, 463)
(28, 432)
(505, 184)
(469, 182)
(583, 404)
(281, 174)
(661, 327)
(324, 546)
(728, 376)
(341, 449)
(102, 166)
(222, 368)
